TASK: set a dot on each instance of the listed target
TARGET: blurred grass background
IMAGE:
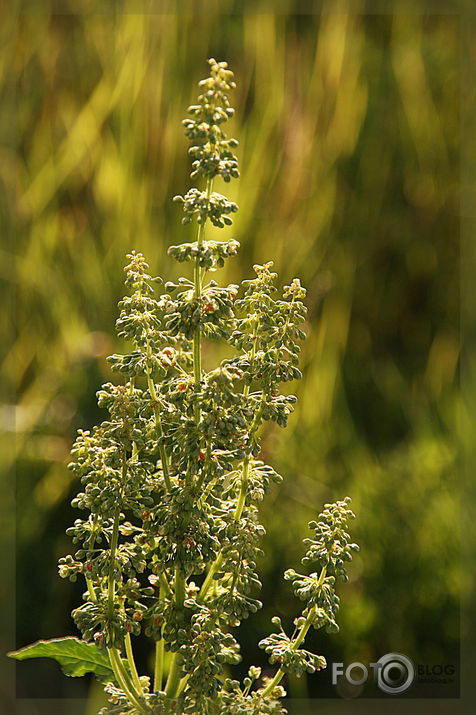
(349, 139)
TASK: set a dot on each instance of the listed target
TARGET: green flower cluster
(211, 150)
(280, 649)
(171, 479)
(215, 207)
(210, 254)
(212, 310)
(331, 549)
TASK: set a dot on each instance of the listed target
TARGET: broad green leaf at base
(75, 657)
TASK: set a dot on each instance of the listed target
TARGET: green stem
(89, 581)
(276, 680)
(245, 473)
(254, 335)
(238, 510)
(197, 282)
(111, 580)
(216, 565)
(159, 431)
(294, 646)
(131, 661)
(173, 679)
(183, 683)
(179, 588)
(159, 645)
(123, 677)
(237, 516)
(159, 665)
(124, 681)
(197, 365)
(92, 592)
(205, 492)
(165, 585)
(297, 641)
(243, 488)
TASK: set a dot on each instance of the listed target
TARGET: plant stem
(294, 646)
(183, 683)
(197, 282)
(89, 581)
(158, 429)
(111, 581)
(92, 592)
(121, 674)
(173, 679)
(165, 585)
(209, 577)
(159, 664)
(124, 681)
(297, 641)
(179, 588)
(159, 645)
(131, 661)
(238, 510)
(254, 336)
(237, 516)
(243, 488)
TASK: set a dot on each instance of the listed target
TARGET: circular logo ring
(406, 673)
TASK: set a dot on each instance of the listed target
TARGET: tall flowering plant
(172, 479)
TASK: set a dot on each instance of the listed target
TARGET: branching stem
(296, 641)
(124, 680)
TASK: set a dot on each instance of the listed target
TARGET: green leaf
(75, 657)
